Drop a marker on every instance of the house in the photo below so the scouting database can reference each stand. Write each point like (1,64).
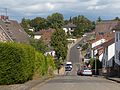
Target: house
(108,56)
(45,35)
(69,28)
(10,30)
(116,29)
(103,33)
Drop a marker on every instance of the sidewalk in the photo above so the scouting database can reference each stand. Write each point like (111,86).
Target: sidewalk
(114,79)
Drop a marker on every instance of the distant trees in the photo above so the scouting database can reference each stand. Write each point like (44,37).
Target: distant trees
(38,23)
(99,19)
(56,20)
(83,25)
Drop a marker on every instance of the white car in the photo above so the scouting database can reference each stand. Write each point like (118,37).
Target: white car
(86,72)
(68,66)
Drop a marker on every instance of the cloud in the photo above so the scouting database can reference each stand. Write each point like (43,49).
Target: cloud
(25,8)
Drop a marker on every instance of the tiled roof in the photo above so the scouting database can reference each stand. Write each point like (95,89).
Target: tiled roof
(111,41)
(45,34)
(105,26)
(117,27)
(14,31)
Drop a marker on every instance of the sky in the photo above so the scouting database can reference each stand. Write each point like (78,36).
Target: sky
(92,9)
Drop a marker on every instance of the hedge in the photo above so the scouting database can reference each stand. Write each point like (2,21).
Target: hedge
(16,63)
(19,63)
(44,65)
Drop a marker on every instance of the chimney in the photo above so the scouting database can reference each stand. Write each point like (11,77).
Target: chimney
(2,17)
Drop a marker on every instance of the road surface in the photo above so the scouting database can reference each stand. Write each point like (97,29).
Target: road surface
(70,81)
(73,82)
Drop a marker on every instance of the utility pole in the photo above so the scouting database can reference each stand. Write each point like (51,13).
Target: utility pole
(95,66)
(6,11)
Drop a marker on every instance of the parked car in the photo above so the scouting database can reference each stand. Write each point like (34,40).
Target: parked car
(84,72)
(68,66)
(78,47)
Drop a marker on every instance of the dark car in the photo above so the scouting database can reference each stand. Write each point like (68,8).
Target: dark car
(79,72)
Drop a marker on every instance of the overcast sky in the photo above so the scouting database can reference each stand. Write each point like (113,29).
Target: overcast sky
(107,9)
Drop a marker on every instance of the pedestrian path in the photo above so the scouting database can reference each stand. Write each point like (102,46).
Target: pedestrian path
(114,79)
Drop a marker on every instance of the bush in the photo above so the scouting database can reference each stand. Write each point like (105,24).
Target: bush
(19,63)
(16,63)
(43,64)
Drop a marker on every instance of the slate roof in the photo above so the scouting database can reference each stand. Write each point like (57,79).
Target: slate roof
(13,31)
(70,25)
(45,34)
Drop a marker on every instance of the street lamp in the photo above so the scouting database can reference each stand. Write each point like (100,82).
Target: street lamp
(95,66)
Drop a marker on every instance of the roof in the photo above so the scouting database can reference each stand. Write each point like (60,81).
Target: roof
(107,37)
(117,27)
(45,34)
(14,31)
(70,25)
(111,41)
(105,26)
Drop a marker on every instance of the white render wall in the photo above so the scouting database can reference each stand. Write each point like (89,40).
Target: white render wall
(111,53)
(65,29)
(117,48)
(98,42)
(37,37)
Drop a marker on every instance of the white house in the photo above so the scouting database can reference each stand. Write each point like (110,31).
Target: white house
(95,44)
(117,45)
(52,53)
(69,28)
(109,53)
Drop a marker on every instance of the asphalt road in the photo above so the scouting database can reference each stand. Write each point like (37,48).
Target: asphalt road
(73,82)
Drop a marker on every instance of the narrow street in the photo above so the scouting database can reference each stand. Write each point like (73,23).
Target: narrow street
(70,80)
(73,82)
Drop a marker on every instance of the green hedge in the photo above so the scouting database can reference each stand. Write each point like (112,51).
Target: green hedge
(16,63)
(19,63)
(44,65)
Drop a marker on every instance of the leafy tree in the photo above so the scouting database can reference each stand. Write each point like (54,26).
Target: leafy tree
(83,25)
(38,23)
(56,20)
(59,42)
(39,45)
(25,23)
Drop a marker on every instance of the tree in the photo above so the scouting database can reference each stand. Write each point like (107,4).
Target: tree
(59,42)
(38,23)
(25,23)
(116,19)
(56,20)
(83,25)
(39,45)
(99,19)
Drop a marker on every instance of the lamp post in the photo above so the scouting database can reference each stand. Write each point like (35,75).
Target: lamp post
(95,66)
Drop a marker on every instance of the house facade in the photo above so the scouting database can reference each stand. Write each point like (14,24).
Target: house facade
(69,28)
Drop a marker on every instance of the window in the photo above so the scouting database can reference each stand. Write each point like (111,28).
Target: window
(116,37)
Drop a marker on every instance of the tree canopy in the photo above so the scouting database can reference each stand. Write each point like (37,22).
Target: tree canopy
(56,20)
(59,42)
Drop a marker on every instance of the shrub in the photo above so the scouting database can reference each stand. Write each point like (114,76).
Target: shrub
(43,64)
(16,63)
